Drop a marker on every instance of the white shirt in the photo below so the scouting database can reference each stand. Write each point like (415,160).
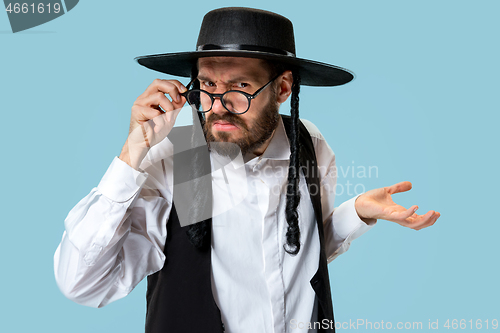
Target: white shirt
(115,235)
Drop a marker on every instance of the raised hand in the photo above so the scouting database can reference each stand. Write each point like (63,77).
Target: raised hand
(378,204)
(153,117)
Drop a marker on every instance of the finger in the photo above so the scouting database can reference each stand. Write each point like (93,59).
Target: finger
(155,87)
(157,99)
(421,220)
(142,113)
(161,121)
(399,187)
(152,127)
(431,221)
(180,87)
(171,87)
(424,224)
(169,106)
(158,123)
(180,100)
(409,212)
(161,126)
(401,215)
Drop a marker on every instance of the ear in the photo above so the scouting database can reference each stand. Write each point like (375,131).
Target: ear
(285,86)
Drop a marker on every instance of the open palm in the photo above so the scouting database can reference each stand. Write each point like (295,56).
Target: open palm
(378,204)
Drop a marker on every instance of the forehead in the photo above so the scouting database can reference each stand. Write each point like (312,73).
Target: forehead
(226,68)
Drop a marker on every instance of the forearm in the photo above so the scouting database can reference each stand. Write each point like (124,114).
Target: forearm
(88,285)
(96,261)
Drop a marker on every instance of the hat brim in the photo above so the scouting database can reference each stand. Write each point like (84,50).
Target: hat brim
(312,73)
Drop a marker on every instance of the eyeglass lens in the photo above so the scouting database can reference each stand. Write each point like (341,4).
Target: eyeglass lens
(234,101)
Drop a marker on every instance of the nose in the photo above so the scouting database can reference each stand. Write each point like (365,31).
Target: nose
(217,107)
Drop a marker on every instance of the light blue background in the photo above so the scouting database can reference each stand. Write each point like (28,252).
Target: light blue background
(424,108)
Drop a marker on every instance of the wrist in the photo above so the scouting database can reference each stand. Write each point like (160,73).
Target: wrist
(124,154)
(358,205)
(132,158)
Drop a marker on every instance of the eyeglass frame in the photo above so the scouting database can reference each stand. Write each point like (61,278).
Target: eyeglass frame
(220,96)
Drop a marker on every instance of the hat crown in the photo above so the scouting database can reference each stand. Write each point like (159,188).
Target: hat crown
(246,26)
(249,33)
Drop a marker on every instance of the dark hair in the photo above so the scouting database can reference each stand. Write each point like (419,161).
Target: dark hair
(292,245)
(198,232)
(293,193)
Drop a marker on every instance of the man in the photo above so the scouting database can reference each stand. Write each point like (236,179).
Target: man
(256,262)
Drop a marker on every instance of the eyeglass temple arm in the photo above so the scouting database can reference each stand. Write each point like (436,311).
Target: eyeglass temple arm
(264,87)
(190,83)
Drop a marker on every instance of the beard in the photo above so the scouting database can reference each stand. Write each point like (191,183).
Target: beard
(253,138)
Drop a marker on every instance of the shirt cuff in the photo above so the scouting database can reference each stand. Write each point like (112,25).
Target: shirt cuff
(121,182)
(351,221)
(347,226)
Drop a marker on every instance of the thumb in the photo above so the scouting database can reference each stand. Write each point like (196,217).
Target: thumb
(182,100)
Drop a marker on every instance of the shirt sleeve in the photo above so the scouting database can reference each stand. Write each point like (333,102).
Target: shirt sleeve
(113,238)
(342,224)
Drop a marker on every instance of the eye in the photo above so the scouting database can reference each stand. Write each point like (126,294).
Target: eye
(241,85)
(208,83)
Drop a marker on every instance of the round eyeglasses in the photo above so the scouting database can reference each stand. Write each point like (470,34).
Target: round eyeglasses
(234,101)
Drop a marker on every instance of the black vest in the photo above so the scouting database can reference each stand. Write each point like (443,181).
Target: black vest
(179,296)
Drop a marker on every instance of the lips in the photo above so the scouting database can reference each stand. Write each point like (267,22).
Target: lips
(223,125)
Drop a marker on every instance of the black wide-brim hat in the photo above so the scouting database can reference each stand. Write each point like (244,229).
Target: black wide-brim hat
(249,33)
